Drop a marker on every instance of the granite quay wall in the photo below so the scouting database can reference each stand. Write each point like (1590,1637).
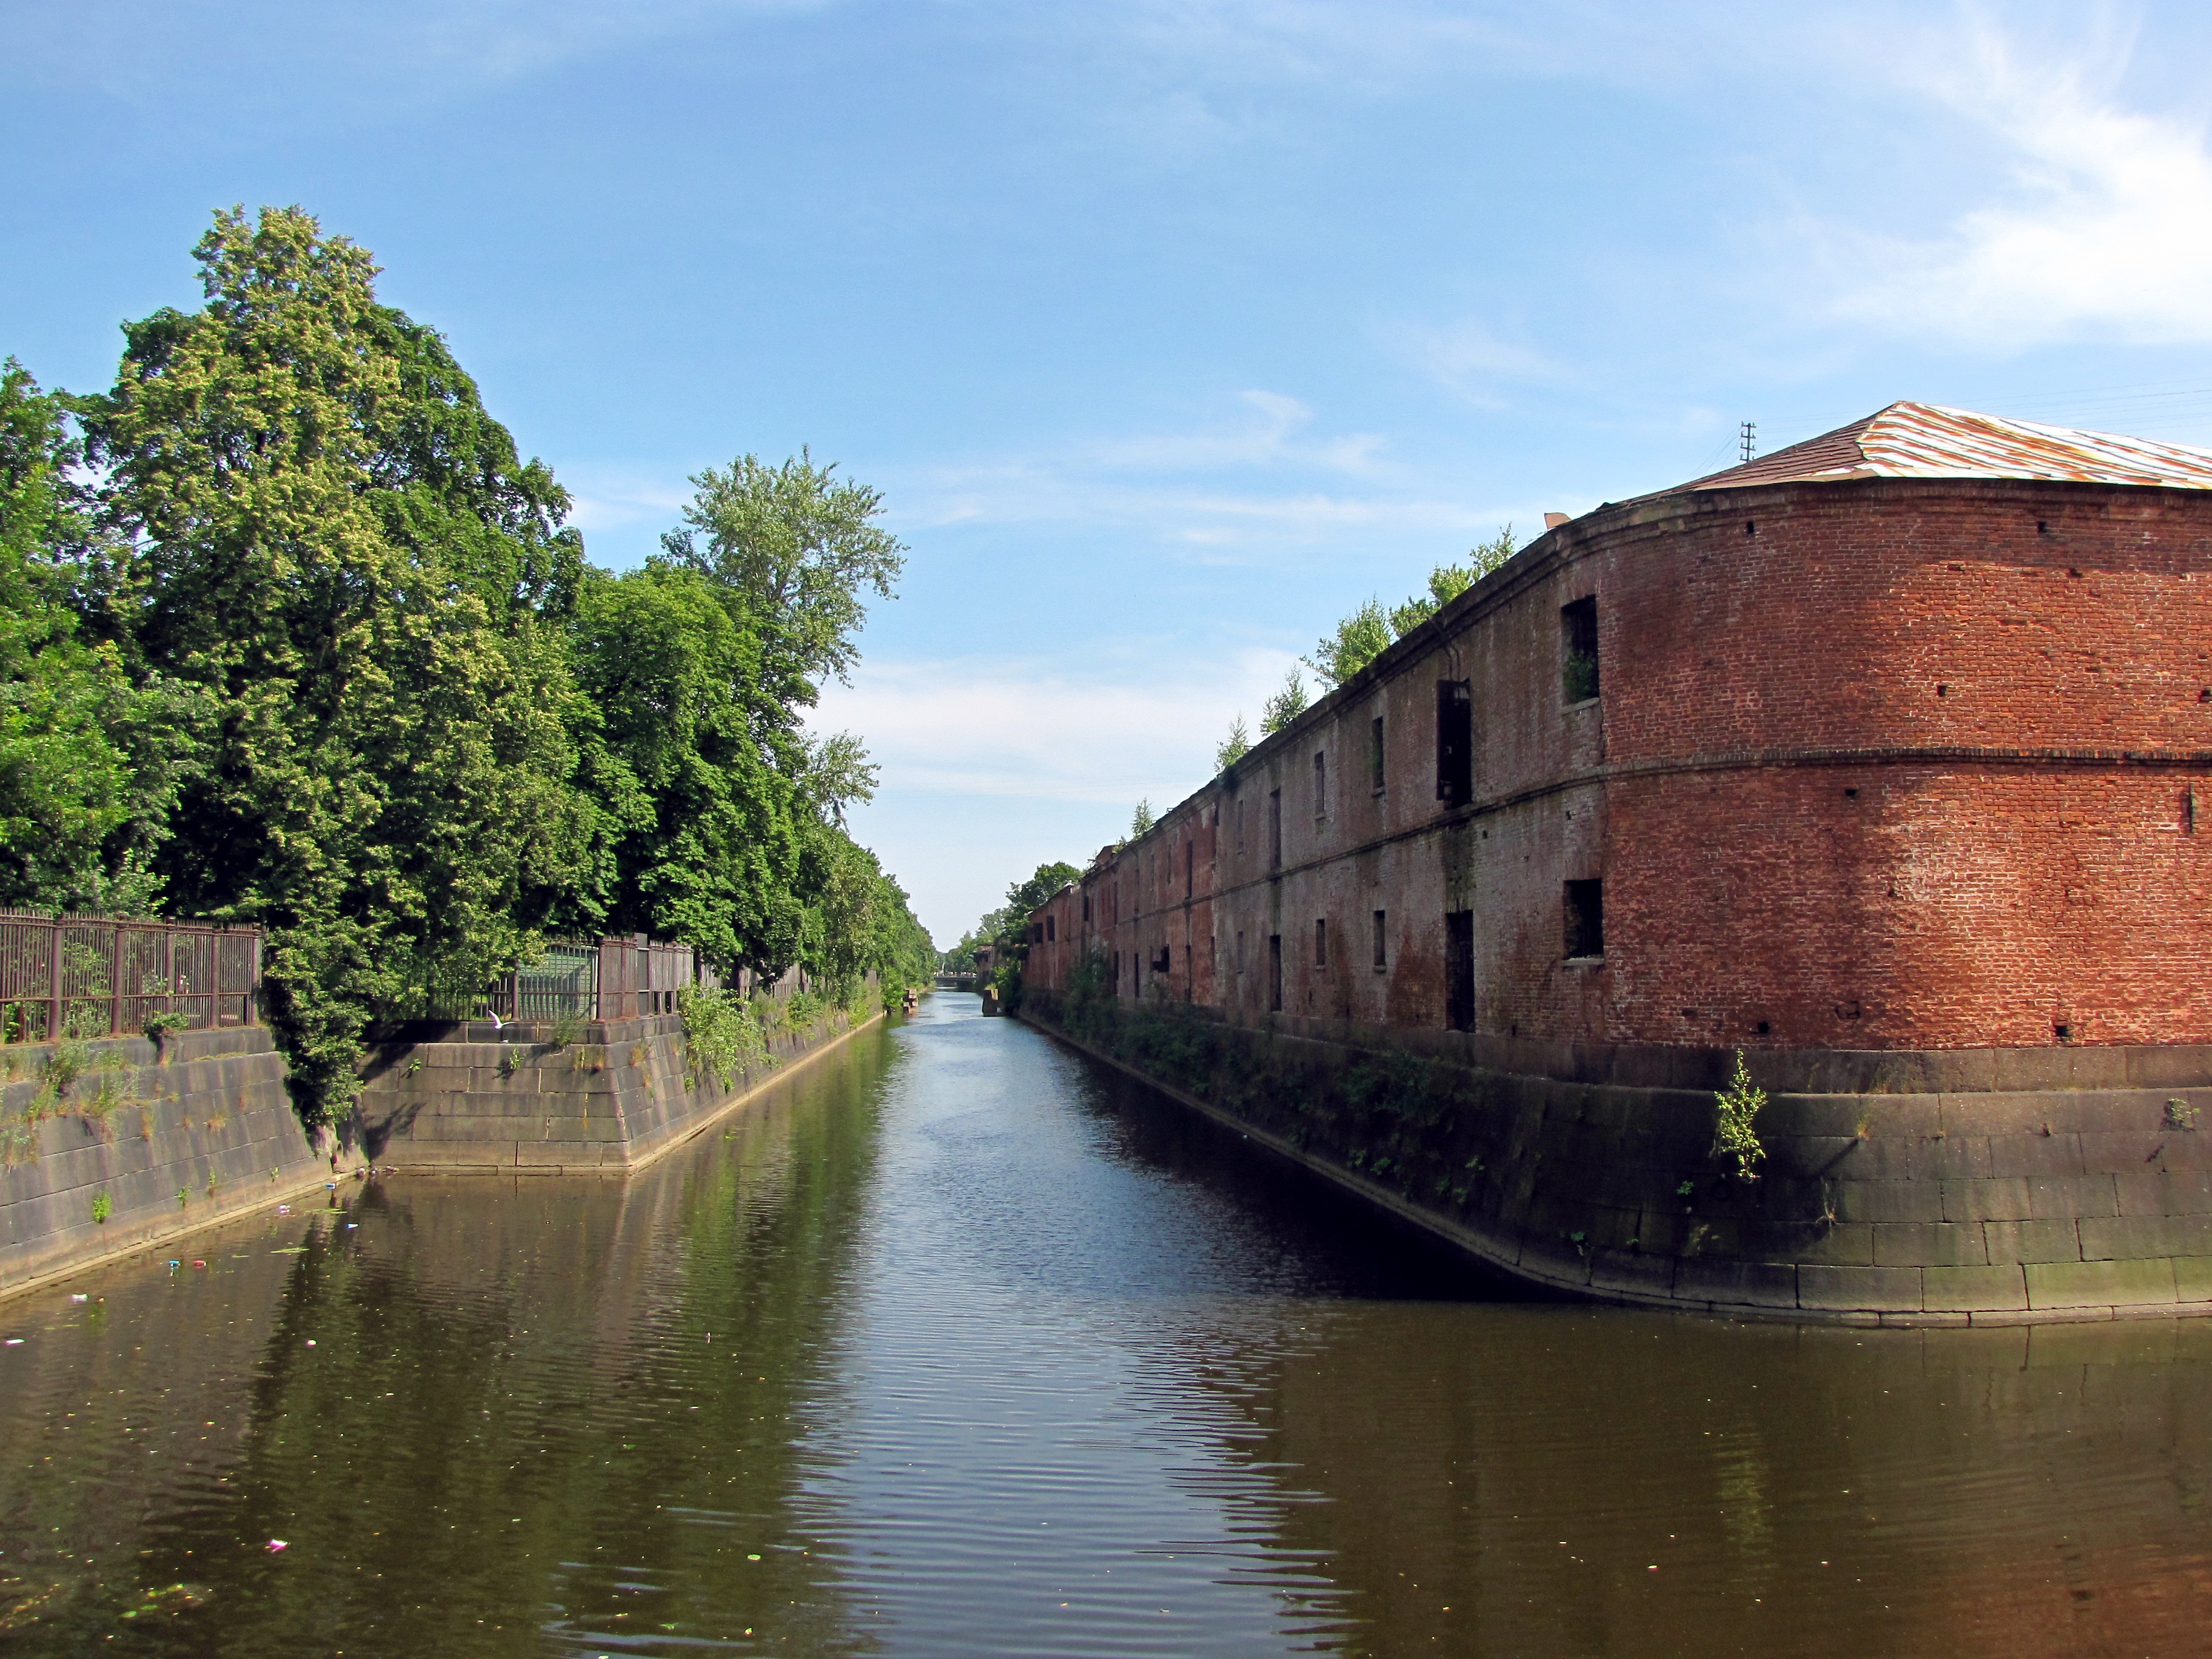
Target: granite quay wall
(171,1137)
(510,1100)
(1942,1187)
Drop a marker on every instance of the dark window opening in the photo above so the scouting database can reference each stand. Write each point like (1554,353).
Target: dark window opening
(1578,644)
(1037,934)
(1160,961)
(1275,973)
(1320,942)
(1764,1027)
(1459,970)
(1086,907)
(1049,934)
(1275,829)
(1454,742)
(1379,917)
(1321,783)
(1374,755)
(1586,918)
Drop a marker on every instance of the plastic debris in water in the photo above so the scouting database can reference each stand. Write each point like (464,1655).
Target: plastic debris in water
(79,1296)
(174,1265)
(283,1209)
(13,1342)
(276,1544)
(311,1341)
(199,1264)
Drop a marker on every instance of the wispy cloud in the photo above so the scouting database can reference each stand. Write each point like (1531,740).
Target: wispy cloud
(1469,360)
(2104,230)
(1261,476)
(1002,728)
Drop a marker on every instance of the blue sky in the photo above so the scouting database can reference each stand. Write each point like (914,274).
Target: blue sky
(1170,331)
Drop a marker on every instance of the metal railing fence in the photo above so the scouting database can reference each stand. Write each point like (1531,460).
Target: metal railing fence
(87,976)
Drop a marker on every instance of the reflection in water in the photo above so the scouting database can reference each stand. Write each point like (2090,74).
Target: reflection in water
(955,1347)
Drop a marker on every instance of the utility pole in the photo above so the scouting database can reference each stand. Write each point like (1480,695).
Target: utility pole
(1747,439)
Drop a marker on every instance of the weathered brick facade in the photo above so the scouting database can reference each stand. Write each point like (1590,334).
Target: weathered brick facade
(1885,764)
(1863,766)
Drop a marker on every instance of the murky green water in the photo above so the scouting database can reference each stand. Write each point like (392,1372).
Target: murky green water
(955,1349)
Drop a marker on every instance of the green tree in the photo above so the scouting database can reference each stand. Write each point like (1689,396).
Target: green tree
(708,839)
(1141,820)
(76,825)
(1234,748)
(1359,640)
(326,536)
(1448,582)
(1285,706)
(794,548)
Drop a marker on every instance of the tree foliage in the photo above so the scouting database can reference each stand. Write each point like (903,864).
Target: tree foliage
(296,637)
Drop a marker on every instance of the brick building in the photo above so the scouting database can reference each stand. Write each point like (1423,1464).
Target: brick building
(1893,740)
(1881,758)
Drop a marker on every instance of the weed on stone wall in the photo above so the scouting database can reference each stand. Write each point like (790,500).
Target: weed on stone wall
(723,1036)
(1735,1109)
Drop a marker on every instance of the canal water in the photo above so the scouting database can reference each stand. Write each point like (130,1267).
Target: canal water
(955,1347)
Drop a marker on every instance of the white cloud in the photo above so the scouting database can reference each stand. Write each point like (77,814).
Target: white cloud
(2105,230)
(1470,360)
(996,727)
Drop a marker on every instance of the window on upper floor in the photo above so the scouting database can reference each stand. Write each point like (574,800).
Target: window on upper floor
(1374,755)
(1454,742)
(1578,650)
(1321,783)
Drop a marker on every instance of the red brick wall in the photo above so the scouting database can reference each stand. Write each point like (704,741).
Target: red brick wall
(2015,679)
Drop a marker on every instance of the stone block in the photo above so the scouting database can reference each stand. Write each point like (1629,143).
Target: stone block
(2192,1278)
(1869,1289)
(2034,1155)
(1632,1273)
(2113,1238)
(1973,1289)
(2052,1198)
(1882,1201)
(2162,1065)
(1841,1243)
(1985,1201)
(1929,1244)
(2161,1193)
(2031,1241)
(1553,1261)
(1737,1284)
(2100,1284)
(2129,1151)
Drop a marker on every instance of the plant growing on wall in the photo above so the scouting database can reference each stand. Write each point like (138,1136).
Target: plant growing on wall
(1735,1109)
(102,1207)
(1286,705)
(1234,747)
(721,1036)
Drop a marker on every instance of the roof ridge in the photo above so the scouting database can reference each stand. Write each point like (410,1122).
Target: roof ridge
(1908,439)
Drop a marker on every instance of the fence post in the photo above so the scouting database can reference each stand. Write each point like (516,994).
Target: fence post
(115,981)
(54,979)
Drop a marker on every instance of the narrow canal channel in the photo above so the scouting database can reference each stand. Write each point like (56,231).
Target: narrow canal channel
(956,1346)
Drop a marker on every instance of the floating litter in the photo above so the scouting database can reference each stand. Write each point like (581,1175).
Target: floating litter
(15,1342)
(276,1544)
(283,1209)
(311,1341)
(199,1264)
(79,1296)
(174,1265)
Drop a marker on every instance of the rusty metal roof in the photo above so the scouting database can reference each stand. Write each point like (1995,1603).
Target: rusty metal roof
(1924,440)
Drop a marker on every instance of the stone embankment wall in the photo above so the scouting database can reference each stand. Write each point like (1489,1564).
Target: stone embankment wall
(508,1100)
(1945,1188)
(172,1139)
(195,1131)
